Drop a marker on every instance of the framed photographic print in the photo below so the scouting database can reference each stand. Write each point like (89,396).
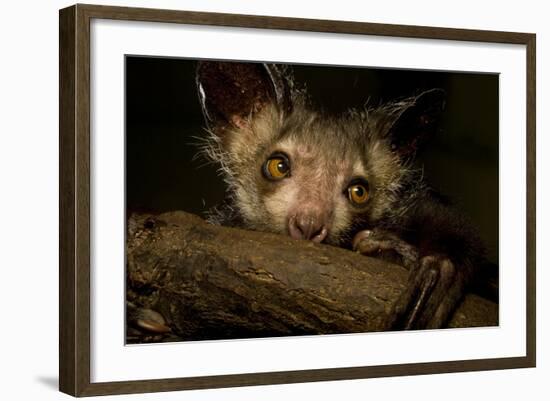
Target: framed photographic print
(252,200)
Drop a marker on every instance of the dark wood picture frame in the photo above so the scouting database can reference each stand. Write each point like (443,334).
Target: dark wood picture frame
(74,301)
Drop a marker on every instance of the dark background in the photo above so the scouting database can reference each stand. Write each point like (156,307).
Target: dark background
(163,120)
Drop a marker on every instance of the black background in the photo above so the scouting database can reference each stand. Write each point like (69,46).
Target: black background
(163,120)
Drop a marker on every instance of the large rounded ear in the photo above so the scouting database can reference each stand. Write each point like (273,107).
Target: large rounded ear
(231,93)
(417,122)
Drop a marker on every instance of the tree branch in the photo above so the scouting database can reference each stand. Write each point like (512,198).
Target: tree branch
(212,282)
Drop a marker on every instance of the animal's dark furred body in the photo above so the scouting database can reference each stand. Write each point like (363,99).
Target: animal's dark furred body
(346,180)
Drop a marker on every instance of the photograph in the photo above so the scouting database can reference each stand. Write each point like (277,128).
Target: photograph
(271,199)
(256,200)
(275,200)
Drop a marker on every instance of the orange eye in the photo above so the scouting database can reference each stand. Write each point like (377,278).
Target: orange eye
(276,167)
(358,193)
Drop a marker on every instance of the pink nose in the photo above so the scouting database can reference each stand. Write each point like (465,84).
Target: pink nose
(307,226)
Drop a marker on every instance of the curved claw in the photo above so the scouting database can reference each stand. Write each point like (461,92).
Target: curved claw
(434,290)
(427,287)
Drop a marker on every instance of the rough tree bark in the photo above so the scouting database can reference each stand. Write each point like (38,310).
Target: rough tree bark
(211,282)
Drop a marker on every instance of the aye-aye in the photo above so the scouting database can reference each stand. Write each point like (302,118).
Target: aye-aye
(346,180)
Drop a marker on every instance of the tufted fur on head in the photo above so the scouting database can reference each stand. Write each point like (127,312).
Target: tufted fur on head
(256,113)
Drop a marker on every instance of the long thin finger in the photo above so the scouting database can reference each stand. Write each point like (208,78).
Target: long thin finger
(428,284)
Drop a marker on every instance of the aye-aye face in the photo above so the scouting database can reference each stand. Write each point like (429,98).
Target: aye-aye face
(294,171)
(309,176)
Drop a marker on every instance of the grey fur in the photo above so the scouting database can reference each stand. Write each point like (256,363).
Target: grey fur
(358,136)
